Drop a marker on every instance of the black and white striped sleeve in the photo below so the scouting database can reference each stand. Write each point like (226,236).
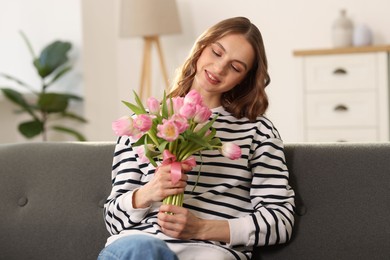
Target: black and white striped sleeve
(119,213)
(272,199)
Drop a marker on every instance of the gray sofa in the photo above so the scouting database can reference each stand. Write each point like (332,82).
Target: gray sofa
(52,194)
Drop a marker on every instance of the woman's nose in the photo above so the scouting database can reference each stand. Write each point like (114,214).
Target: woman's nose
(220,67)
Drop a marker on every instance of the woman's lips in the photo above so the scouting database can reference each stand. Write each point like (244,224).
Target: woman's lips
(211,78)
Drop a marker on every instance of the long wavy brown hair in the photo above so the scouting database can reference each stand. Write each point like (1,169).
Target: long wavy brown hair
(247,99)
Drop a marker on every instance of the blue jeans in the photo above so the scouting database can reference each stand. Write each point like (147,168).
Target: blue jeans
(137,247)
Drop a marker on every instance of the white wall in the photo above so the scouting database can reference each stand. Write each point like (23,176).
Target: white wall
(111,66)
(285,25)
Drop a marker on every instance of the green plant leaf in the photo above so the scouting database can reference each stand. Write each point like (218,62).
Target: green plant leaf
(199,141)
(71,96)
(31,128)
(59,74)
(164,107)
(18,81)
(139,102)
(69,131)
(17,98)
(163,146)
(215,142)
(140,141)
(53,102)
(28,43)
(73,116)
(207,126)
(52,57)
(14,96)
(134,108)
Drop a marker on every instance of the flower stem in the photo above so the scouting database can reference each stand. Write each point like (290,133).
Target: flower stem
(176,200)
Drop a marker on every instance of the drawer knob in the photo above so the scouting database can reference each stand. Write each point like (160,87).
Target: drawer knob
(340,71)
(341,108)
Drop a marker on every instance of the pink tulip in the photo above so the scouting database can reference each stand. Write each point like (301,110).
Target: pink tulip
(140,150)
(188,110)
(202,114)
(168,130)
(231,151)
(181,122)
(153,105)
(193,97)
(177,104)
(124,126)
(142,122)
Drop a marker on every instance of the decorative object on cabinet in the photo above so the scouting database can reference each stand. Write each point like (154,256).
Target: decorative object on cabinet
(149,19)
(342,30)
(345,93)
(42,105)
(362,35)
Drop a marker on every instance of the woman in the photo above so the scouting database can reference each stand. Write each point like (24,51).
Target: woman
(236,205)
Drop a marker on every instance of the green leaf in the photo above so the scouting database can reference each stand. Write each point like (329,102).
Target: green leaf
(29,46)
(71,96)
(150,153)
(53,102)
(18,81)
(140,141)
(31,128)
(211,135)
(151,160)
(139,102)
(199,141)
(134,108)
(163,146)
(52,57)
(70,131)
(14,96)
(215,142)
(59,74)
(164,108)
(17,98)
(75,117)
(207,126)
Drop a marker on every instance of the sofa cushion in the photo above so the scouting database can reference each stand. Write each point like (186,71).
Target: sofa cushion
(343,202)
(51,198)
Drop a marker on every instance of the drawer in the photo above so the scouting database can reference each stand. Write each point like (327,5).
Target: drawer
(343,109)
(340,72)
(342,135)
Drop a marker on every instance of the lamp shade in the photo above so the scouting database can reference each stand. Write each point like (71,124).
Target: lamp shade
(148,18)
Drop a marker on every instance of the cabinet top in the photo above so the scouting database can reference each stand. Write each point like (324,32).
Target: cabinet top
(360,49)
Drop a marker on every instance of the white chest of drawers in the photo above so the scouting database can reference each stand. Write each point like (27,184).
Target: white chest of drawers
(345,94)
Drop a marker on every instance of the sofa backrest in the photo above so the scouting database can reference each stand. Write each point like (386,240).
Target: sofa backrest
(343,202)
(51,199)
(52,194)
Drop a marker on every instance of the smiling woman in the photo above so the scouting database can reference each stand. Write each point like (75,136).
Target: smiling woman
(229,207)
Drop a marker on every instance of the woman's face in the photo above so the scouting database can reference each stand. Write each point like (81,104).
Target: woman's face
(222,65)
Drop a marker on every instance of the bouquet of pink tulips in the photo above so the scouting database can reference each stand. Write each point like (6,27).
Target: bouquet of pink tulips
(171,132)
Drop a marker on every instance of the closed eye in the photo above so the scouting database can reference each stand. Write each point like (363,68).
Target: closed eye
(216,53)
(236,68)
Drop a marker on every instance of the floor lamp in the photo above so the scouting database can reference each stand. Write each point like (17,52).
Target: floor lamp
(149,19)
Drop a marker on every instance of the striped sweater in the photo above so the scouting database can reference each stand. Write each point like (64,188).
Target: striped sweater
(252,193)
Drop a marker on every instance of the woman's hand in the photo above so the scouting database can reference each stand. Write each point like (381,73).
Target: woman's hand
(160,187)
(182,224)
(179,222)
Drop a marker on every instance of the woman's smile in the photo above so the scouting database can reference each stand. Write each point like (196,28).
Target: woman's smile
(211,78)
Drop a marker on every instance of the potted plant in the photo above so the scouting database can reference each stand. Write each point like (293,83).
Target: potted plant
(44,106)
